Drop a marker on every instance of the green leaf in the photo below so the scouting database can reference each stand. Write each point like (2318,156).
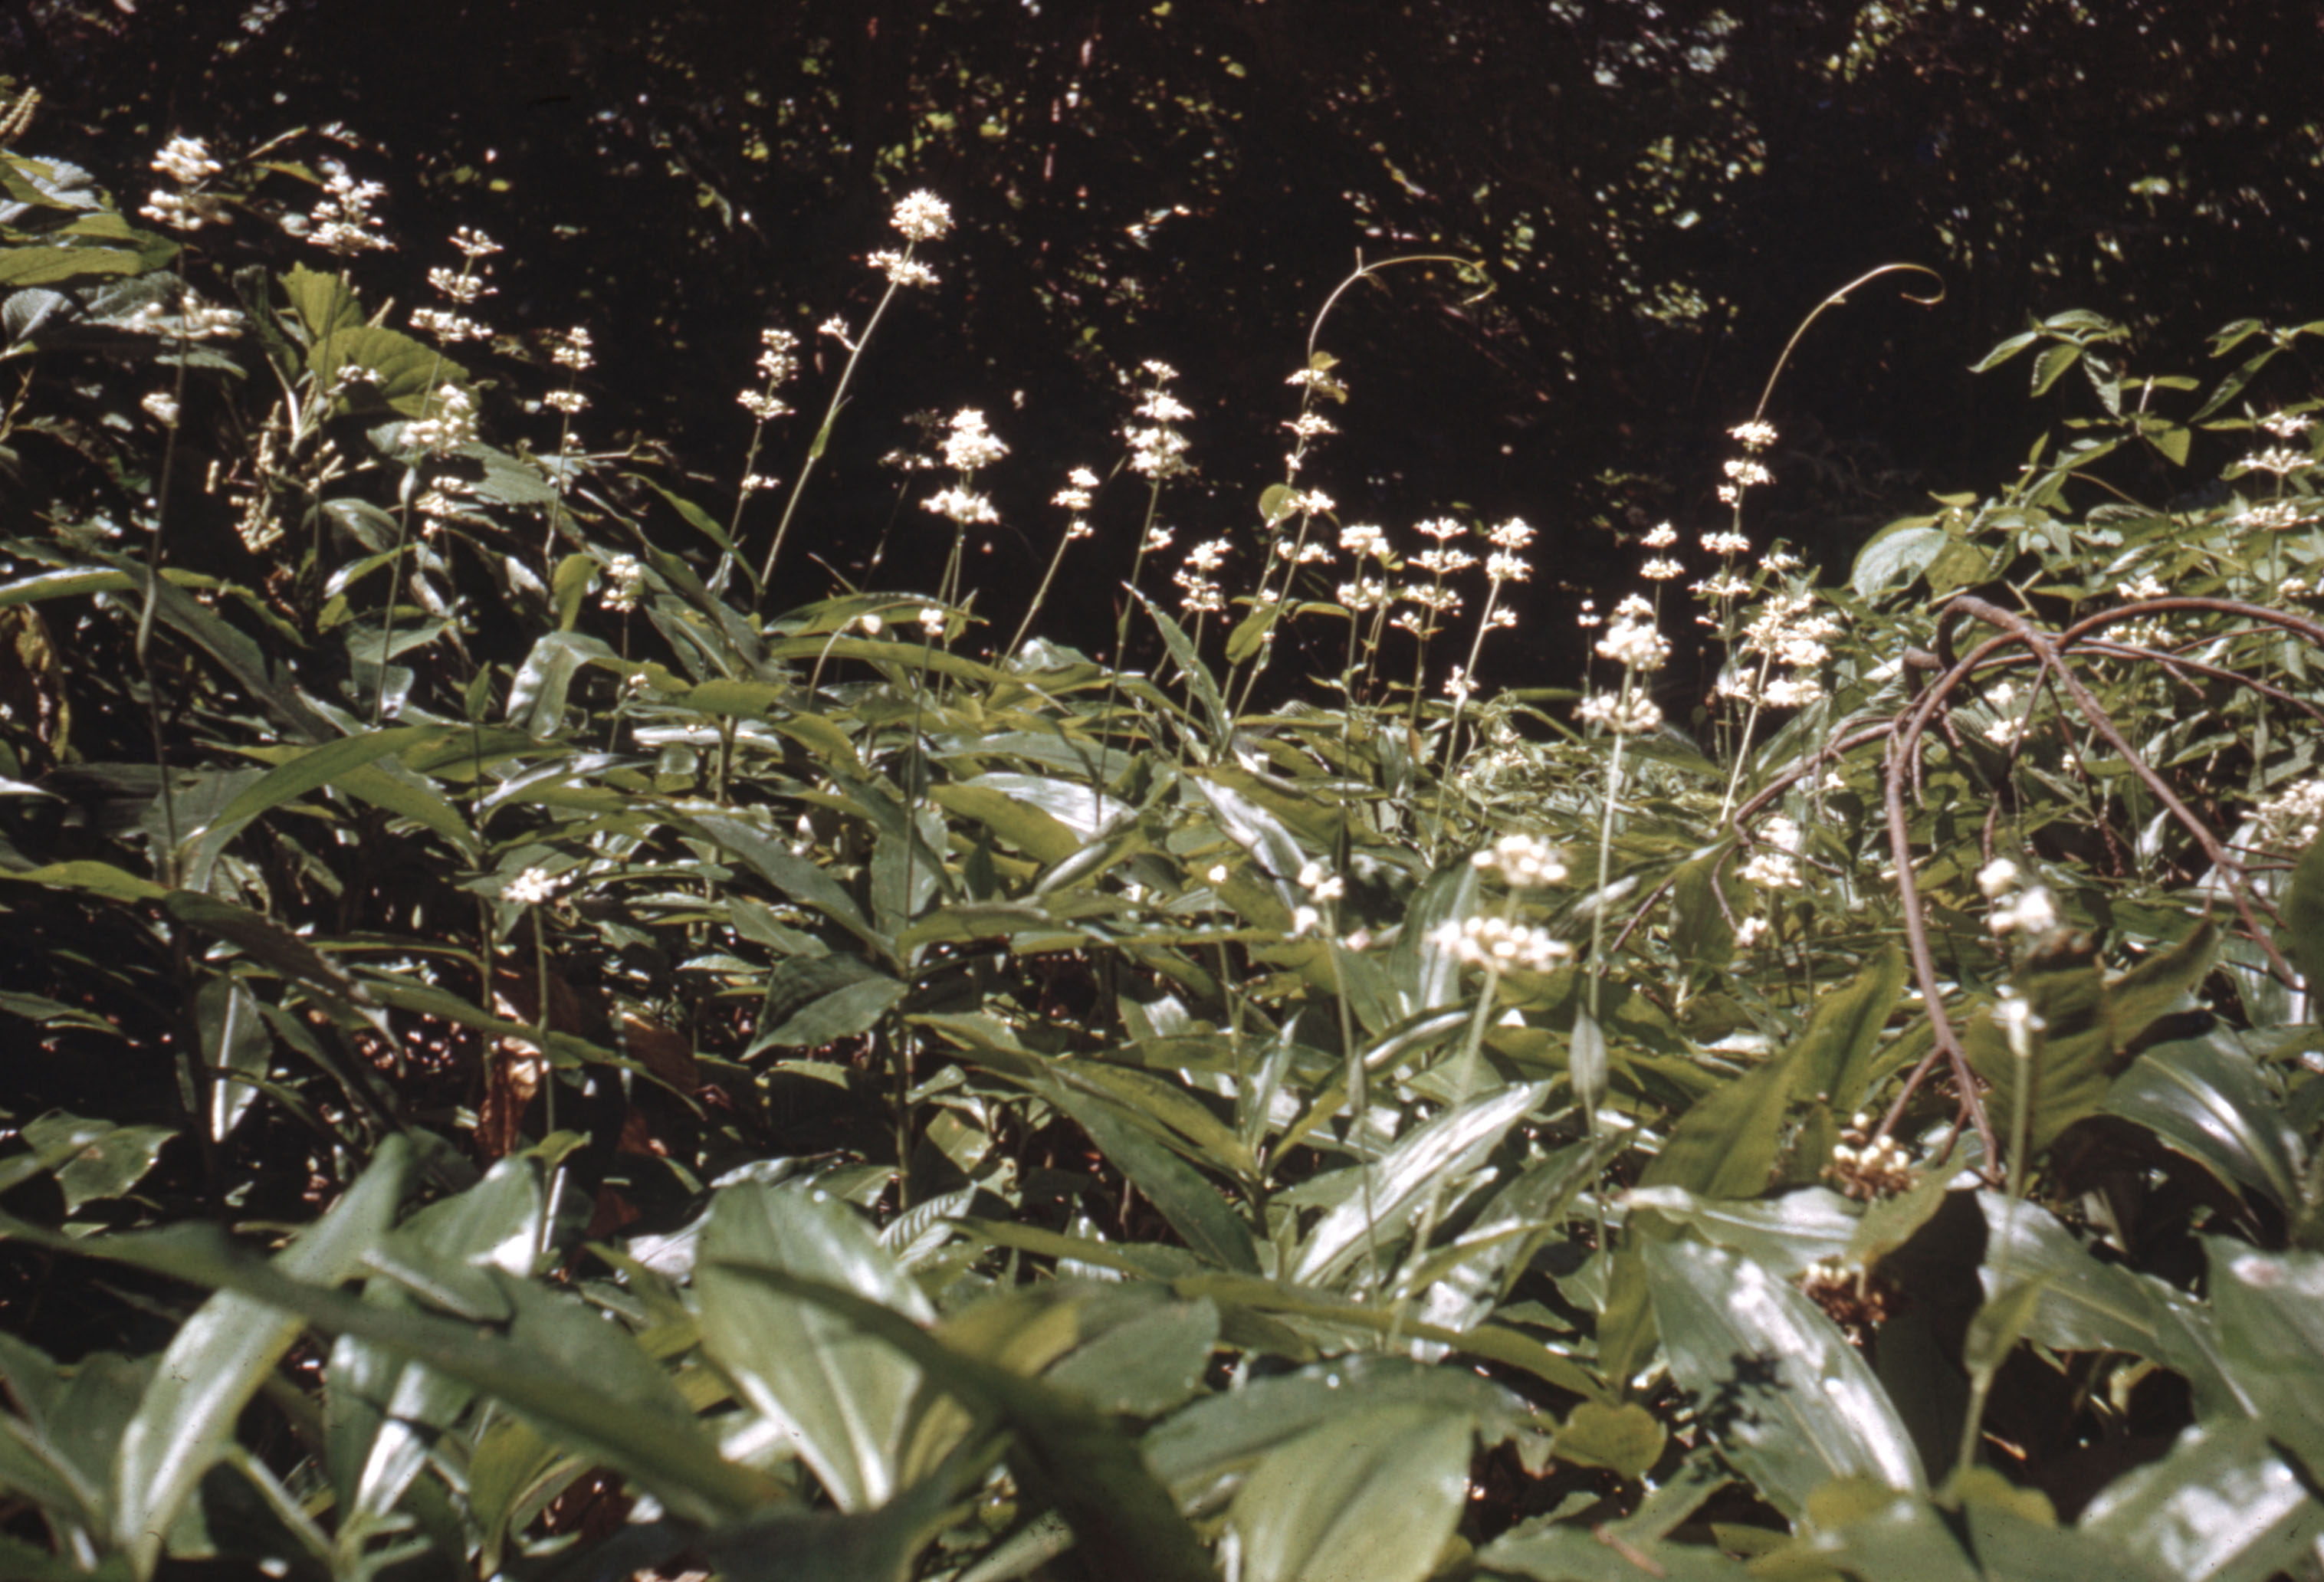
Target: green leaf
(305,771)
(2088,1023)
(704,523)
(2052,363)
(324,302)
(1571,1552)
(1445,1149)
(221,1356)
(2084,1305)
(1627,1439)
(2270,1308)
(50,266)
(1726,1145)
(1370,1497)
(92,1159)
(796,877)
(1776,1385)
(407,372)
(845,1394)
(1122,1519)
(1896,555)
(1199,682)
(236,1043)
(1786,1233)
(2205,1097)
(1843,1032)
(2223,1506)
(536,703)
(1190,1203)
(2302,933)
(1146,1365)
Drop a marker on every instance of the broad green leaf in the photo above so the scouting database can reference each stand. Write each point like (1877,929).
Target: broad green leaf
(797,878)
(1145,1364)
(704,523)
(2051,362)
(1626,1439)
(2271,1325)
(843,1396)
(1571,1552)
(2223,1506)
(1030,828)
(2205,1097)
(1424,964)
(315,766)
(2088,1023)
(1896,555)
(1253,828)
(1445,1149)
(536,703)
(406,374)
(50,266)
(1082,809)
(672,1460)
(92,1159)
(2084,1305)
(1185,1198)
(1786,1233)
(1368,1497)
(1725,1147)
(222,1354)
(1843,1032)
(1776,1385)
(1198,1450)
(1122,1520)
(1876,1530)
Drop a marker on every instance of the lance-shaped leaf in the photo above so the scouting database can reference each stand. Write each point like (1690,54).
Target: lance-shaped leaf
(221,1356)
(1447,1148)
(2223,1506)
(1775,1383)
(1190,1203)
(1369,1496)
(844,1395)
(2205,1097)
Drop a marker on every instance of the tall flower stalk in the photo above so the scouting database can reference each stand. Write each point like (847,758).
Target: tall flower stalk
(923,217)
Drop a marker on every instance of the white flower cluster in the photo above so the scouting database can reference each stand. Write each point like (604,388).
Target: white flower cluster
(1632,641)
(1522,861)
(532,887)
(902,271)
(2294,819)
(1363,541)
(1156,452)
(2022,906)
(448,327)
(1776,865)
(186,162)
(1787,631)
(922,217)
(1625,714)
(1500,944)
(571,350)
(626,581)
(1754,435)
(1868,1166)
(341,221)
(971,446)
(451,425)
(962,506)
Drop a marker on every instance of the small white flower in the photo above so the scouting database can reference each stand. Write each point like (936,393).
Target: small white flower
(1755,435)
(1216,873)
(1661,569)
(1361,538)
(1632,716)
(1727,543)
(1998,878)
(163,408)
(869,624)
(932,621)
(1634,644)
(1304,918)
(1662,538)
(1749,931)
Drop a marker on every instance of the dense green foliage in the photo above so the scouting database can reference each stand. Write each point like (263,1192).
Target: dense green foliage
(533,1053)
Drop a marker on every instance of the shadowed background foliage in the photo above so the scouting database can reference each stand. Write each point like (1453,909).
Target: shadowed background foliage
(1656,193)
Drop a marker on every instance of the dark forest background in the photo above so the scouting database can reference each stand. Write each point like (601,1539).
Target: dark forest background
(1655,194)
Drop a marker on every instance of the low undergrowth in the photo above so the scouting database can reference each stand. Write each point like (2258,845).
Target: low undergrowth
(533,1052)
